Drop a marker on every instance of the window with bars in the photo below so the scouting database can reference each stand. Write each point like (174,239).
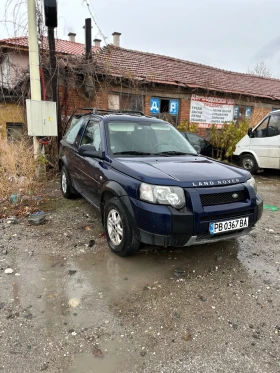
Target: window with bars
(165,109)
(125,101)
(242,112)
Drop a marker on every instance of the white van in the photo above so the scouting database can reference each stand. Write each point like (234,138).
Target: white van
(261,147)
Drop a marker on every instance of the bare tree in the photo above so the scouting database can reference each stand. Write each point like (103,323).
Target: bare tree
(261,69)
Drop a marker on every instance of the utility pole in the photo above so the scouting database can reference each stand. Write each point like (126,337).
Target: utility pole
(35,83)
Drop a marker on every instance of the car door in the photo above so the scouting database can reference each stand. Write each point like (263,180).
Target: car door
(91,170)
(265,142)
(71,143)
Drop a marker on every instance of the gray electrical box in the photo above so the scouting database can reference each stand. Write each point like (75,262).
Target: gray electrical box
(41,118)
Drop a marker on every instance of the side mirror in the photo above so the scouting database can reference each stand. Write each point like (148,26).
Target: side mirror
(197,148)
(89,151)
(250,132)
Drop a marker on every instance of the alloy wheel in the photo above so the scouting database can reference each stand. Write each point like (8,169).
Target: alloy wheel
(115,227)
(63,182)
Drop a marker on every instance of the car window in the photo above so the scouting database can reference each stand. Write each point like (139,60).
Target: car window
(261,130)
(146,137)
(74,120)
(73,131)
(197,140)
(273,128)
(92,135)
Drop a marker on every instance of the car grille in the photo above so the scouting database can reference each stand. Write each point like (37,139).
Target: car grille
(221,198)
(208,236)
(240,214)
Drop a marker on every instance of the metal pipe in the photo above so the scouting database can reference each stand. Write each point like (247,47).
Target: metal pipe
(88,38)
(54,81)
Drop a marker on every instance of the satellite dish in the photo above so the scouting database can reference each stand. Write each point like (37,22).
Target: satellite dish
(50,13)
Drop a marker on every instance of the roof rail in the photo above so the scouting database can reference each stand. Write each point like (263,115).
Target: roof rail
(91,110)
(112,111)
(96,111)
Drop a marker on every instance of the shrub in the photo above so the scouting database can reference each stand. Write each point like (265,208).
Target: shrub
(186,126)
(18,168)
(226,138)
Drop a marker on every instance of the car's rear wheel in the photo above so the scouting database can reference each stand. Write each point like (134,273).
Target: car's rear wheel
(67,190)
(249,162)
(120,236)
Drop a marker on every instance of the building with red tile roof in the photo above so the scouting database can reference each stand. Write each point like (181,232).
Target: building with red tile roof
(62,46)
(173,71)
(161,86)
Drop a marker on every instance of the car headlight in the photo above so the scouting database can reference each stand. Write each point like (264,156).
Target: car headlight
(253,184)
(163,195)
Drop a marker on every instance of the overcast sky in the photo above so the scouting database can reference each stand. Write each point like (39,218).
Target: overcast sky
(229,34)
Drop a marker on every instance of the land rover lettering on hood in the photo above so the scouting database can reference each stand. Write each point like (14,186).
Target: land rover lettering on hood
(150,184)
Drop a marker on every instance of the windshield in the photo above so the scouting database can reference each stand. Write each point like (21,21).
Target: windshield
(146,138)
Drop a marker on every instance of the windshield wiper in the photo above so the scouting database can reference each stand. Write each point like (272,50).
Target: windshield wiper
(173,152)
(132,152)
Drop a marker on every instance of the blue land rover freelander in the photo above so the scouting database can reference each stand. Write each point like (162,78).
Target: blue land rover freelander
(150,185)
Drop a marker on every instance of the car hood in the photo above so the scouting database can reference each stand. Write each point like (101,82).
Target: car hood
(188,171)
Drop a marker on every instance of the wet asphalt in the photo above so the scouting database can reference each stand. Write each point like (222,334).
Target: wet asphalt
(72,306)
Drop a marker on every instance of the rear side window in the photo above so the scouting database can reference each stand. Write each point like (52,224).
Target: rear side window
(73,131)
(92,135)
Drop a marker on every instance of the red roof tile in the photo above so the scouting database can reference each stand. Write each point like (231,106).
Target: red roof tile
(62,46)
(151,67)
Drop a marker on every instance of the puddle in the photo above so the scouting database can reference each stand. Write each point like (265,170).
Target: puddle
(105,276)
(86,363)
(99,279)
(114,360)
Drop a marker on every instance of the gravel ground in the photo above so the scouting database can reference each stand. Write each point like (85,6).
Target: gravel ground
(72,306)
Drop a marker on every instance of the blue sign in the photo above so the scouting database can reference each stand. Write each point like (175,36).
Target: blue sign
(173,107)
(154,105)
(248,112)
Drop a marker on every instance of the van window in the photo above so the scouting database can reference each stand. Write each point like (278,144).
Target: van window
(261,131)
(274,126)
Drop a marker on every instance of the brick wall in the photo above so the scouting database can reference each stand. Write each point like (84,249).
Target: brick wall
(77,99)
(184,110)
(147,105)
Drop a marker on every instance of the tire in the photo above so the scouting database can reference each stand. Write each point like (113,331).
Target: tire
(66,188)
(249,163)
(121,238)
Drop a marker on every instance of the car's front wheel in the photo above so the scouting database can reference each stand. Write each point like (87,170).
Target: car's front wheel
(120,236)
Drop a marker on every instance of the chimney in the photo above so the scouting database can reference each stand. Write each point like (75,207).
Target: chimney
(72,36)
(116,39)
(97,42)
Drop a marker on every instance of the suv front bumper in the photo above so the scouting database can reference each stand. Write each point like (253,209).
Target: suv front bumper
(175,241)
(165,226)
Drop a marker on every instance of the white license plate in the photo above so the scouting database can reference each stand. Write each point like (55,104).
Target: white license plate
(229,225)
